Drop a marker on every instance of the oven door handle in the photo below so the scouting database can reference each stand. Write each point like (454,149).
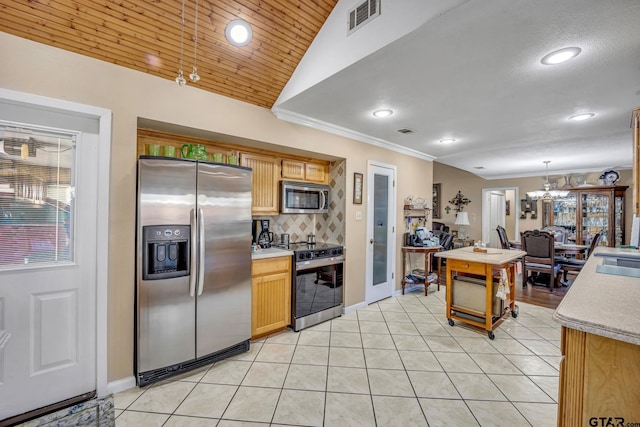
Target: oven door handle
(322,262)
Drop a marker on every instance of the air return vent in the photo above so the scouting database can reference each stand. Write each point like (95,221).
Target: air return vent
(362,14)
(405,130)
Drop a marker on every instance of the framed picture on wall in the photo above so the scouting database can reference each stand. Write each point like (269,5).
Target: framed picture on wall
(436,201)
(357,188)
(508,208)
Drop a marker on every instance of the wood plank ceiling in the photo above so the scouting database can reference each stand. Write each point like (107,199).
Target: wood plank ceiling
(145,36)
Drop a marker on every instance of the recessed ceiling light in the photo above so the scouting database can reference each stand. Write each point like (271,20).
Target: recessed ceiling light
(238,32)
(559,56)
(382,113)
(447,141)
(581,116)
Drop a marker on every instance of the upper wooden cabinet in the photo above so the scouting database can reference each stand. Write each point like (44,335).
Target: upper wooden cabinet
(305,171)
(266,172)
(635,124)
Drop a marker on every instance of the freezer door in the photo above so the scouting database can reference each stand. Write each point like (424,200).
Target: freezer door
(224,294)
(165,309)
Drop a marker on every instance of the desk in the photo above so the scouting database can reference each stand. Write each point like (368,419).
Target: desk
(461,243)
(465,260)
(426,251)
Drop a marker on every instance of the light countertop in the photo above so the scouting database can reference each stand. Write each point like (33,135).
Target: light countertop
(493,256)
(602,304)
(271,253)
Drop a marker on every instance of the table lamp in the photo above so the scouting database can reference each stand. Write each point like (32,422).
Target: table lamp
(462,219)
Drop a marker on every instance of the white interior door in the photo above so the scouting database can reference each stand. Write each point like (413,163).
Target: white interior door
(497,212)
(48,226)
(381,209)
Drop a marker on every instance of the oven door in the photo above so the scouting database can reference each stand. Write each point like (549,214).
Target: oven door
(318,292)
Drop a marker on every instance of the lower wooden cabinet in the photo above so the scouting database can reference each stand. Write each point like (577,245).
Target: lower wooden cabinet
(271,295)
(599,380)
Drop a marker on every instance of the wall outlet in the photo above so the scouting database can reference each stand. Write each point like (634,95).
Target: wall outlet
(358,215)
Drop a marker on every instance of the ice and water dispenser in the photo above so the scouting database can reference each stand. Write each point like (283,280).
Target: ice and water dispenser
(165,251)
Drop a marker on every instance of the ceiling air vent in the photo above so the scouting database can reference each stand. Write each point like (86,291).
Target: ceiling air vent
(362,14)
(405,130)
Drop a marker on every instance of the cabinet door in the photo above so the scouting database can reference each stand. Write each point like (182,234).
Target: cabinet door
(292,169)
(316,172)
(596,216)
(271,303)
(265,183)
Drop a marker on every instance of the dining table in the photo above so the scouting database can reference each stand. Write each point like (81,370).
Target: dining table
(558,247)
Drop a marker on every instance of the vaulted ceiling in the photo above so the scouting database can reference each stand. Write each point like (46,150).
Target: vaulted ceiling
(145,36)
(468,70)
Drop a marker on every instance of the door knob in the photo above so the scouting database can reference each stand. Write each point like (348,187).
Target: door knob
(372,241)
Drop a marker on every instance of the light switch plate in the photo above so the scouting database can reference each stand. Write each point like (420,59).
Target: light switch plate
(358,215)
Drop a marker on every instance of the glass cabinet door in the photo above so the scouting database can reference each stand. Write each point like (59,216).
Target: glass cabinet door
(618,220)
(595,217)
(564,215)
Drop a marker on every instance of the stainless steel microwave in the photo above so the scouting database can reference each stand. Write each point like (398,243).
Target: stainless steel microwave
(303,197)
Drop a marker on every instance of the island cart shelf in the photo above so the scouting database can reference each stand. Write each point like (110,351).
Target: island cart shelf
(466,262)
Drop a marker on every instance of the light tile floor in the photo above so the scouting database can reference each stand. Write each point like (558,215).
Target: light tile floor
(393,363)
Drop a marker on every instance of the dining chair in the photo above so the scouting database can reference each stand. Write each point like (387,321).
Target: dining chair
(575,265)
(502,236)
(540,256)
(446,241)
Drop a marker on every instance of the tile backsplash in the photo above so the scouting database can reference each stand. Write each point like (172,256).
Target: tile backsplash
(327,227)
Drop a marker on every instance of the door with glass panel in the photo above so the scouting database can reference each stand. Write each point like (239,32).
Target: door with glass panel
(48,187)
(380,232)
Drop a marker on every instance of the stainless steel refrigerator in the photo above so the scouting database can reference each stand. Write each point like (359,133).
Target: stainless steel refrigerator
(193,265)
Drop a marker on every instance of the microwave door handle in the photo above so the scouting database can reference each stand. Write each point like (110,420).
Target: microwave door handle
(201,251)
(323,199)
(193,251)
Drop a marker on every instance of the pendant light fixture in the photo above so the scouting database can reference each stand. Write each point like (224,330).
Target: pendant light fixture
(194,74)
(546,193)
(180,79)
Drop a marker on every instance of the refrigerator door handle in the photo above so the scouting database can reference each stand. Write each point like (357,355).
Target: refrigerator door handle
(193,250)
(201,251)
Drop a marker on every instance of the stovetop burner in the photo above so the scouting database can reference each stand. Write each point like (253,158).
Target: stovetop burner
(305,251)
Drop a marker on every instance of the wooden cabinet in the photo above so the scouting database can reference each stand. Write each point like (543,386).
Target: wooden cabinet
(635,124)
(266,172)
(586,211)
(599,377)
(271,295)
(305,171)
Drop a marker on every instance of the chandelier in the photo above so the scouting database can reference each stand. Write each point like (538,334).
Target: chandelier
(546,193)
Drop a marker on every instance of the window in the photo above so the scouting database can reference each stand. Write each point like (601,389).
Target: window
(36,196)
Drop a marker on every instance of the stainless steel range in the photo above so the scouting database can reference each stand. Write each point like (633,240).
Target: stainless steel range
(317,279)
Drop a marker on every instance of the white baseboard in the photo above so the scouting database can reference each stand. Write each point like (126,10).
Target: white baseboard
(354,307)
(121,385)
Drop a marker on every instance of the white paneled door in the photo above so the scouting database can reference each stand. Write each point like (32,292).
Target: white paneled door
(48,198)
(380,232)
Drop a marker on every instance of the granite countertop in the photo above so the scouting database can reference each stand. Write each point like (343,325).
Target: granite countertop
(602,304)
(493,255)
(271,253)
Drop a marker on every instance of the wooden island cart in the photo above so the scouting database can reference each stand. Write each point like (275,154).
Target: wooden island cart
(487,264)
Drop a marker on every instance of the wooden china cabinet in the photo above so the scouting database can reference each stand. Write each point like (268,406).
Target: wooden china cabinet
(585,211)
